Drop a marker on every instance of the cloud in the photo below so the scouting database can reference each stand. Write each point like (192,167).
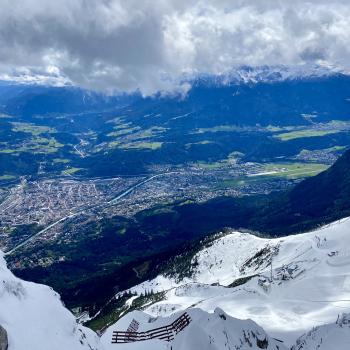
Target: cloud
(125,45)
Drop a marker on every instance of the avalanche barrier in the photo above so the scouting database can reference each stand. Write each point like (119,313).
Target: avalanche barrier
(164,333)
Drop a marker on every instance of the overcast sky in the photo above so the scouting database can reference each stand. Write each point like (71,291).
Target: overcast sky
(125,45)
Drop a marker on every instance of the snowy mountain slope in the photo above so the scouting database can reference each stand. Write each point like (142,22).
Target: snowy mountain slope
(35,318)
(330,336)
(214,331)
(310,286)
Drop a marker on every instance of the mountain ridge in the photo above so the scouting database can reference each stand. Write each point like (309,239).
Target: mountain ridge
(309,283)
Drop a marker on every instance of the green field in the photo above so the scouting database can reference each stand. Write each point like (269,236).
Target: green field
(123,131)
(287,136)
(8,151)
(71,171)
(36,145)
(231,158)
(210,165)
(41,145)
(292,170)
(142,145)
(218,128)
(128,137)
(61,161)
(204,142)
(288,171)
(32,129)
(7,177)
(38,139)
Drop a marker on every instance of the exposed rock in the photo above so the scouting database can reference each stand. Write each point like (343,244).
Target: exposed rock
(3,339)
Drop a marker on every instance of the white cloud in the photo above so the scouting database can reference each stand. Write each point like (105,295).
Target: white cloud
(148,45)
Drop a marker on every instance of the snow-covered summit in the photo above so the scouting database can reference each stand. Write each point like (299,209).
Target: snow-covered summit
(275,73)
(35,318)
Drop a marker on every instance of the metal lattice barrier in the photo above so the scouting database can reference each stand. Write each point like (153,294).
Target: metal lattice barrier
(164,333)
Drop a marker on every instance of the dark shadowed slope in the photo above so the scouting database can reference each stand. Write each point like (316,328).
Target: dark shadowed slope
(317,200)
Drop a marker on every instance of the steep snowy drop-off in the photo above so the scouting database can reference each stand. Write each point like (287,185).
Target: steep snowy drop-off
(35,318)
(310,287)
(330,336)
(207,331)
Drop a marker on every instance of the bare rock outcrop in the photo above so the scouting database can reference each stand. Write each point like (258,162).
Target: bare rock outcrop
(3,339)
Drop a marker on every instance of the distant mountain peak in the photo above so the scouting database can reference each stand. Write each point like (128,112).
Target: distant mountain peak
(265,73)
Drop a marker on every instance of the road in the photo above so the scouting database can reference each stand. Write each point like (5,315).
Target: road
(125,193)
(72,215)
